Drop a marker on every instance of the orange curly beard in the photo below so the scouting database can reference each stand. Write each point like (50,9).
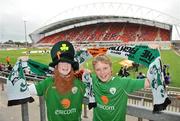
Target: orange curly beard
(63,84)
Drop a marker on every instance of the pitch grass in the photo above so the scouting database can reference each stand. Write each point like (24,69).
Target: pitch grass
(168,57)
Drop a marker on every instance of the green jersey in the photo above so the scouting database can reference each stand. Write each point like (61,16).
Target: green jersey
(66,107)
(111,97)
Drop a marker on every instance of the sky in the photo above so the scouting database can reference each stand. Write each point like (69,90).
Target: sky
(15,14)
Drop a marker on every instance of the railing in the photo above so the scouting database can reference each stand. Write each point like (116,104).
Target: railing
(144,98)
(146,113)
(134,110)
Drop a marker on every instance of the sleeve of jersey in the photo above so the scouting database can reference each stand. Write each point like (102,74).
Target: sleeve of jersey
(132,85)
(42,86)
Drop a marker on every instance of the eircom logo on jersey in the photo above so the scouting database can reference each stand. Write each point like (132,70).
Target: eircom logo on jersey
(105,101)
(65,104)
(65,112)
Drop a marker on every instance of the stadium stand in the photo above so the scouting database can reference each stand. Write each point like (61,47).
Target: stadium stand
(126,32)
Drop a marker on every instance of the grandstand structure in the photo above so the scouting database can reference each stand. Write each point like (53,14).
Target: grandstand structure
(107,24)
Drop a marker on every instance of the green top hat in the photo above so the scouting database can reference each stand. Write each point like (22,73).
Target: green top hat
(63,51)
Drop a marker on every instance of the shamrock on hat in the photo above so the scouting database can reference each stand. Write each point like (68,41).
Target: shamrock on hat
(63,51)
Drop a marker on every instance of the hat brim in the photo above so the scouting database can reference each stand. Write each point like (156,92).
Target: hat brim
(74,64)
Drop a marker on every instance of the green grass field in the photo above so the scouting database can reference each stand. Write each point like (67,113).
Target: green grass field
(168,57)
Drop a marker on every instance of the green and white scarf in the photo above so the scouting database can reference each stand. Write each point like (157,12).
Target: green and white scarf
(17,88)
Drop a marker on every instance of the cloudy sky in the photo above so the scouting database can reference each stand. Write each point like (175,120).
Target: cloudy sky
(13,13)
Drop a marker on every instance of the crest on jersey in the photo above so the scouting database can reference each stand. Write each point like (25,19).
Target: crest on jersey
(74,90)
(112,90)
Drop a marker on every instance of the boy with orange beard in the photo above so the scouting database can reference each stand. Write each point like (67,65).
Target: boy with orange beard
(63,92)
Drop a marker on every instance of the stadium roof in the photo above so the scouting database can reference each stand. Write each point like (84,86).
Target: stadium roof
(106,12)
(96,19)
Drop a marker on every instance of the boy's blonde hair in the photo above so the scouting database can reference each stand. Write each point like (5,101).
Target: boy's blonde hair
(101,58)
